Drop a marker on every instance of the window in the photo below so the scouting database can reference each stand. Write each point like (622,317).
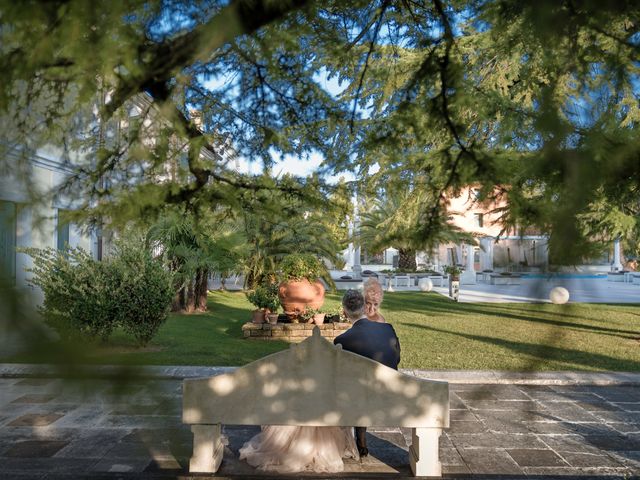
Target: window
(478,219)
(8,240)
(62,232)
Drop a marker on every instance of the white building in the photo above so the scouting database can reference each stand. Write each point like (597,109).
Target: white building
(32,209)
(493,250)
(30,218)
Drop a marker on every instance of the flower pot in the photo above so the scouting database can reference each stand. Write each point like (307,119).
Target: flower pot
(258,316)
(318,318)
(272,318)
(297,296)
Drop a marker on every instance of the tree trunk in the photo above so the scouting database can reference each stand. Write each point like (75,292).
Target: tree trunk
(202,277)
(406,259)
(190,300)
(179,301)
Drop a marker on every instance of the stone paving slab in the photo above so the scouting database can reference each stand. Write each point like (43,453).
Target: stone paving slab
(497,431)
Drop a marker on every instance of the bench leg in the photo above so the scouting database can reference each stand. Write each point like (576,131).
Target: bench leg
(423,454)
(207,448)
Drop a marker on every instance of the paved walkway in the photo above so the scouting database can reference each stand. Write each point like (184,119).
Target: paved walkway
(545,425)
(581,290)
(530,290)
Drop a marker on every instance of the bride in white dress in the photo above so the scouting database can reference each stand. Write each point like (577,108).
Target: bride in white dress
(290,449)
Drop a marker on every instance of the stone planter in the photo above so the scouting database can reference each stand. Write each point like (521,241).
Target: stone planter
(318,318)
(272,318)
(291,332)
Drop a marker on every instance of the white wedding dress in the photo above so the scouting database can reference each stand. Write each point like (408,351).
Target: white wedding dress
(290,449)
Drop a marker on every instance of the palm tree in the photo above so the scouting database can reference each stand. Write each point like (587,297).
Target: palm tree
(192,249)
(396,220)
(276,226)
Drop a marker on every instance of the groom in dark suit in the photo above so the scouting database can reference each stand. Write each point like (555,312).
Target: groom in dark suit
(374,340)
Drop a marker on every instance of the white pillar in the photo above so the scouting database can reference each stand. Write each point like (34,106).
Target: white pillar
(423,453)
(349,253)
(468,277)
(348,257)
(459,254)
(617,264)
(357,268)
(207,448)
(486,253)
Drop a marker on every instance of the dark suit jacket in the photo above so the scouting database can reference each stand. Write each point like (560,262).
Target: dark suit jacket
(374,340)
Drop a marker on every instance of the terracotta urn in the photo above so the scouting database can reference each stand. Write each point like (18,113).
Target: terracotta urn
(296,296)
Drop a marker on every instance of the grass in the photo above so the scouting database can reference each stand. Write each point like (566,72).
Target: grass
(434,333)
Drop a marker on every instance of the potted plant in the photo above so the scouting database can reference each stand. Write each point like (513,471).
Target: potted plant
(265,298)
(454,276)
(312,315)
(271,302)
(333,316)
(306,316)
(300,288)
(453,271)
(318,315)
(257,298)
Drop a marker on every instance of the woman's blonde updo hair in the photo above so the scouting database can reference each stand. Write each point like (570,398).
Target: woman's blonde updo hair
(372,287)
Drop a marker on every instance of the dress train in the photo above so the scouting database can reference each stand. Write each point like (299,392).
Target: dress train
(290,449)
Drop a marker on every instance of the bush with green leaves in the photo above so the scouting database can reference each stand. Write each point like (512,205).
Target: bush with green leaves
(452,270)
(88,298)
(265,297)
(300,266)
(145,293)
(79,292)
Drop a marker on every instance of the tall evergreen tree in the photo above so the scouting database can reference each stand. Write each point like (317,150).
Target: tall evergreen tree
(537,101)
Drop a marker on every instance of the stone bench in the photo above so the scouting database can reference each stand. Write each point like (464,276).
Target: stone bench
(615,277)
(346,284)
(404,278)
(497,279)
(316,383)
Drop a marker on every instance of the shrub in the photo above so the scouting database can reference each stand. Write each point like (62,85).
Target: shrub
(453,270)
(299,266)
(265,297)
(78,292)
(85,297)
(145,293)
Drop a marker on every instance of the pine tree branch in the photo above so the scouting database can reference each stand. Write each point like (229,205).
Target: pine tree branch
(383,8)
(162,61)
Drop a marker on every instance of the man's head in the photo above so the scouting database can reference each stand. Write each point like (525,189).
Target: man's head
(353,305)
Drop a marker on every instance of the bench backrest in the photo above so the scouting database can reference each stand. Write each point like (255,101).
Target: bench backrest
(316,383)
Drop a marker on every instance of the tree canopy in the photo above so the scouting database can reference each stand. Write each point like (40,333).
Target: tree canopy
(535,101)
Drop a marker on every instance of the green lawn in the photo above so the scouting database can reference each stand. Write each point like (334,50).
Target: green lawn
(434,332)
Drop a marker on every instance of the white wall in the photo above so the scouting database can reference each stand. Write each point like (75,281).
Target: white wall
(37,215)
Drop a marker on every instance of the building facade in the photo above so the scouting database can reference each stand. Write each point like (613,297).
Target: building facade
(494,249)
(29,217)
